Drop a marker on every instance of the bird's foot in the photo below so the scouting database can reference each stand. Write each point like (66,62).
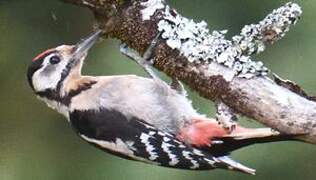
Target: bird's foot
(226,117)
(144,61)
(178,86)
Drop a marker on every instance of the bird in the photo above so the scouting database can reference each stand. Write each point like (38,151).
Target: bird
(134,117)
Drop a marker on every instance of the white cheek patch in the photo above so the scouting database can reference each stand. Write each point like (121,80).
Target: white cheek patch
(49,75)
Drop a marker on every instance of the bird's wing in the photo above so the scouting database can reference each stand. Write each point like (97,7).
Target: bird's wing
(132,138)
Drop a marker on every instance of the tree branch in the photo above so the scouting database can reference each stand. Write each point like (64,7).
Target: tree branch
(182,54)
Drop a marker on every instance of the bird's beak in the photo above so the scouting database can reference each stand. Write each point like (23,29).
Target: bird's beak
(81,49)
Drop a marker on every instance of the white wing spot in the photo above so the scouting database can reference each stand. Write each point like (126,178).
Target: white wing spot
(198,152)
(161,134)
(166,139)
(151,133)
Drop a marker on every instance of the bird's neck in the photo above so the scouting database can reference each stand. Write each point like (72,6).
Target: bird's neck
(73,85)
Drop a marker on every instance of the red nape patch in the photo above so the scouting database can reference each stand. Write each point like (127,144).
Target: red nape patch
(201,132)
(43,54)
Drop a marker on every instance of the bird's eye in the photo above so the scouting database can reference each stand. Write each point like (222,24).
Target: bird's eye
(54,60)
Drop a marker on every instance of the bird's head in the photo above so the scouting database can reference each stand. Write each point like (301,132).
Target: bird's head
(50,69)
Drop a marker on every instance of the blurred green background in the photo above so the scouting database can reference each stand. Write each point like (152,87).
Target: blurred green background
(36,143)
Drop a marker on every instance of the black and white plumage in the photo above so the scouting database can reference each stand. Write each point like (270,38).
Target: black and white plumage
(134,139)
(135,117)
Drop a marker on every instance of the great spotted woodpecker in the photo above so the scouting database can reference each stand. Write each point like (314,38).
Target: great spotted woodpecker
(134,117)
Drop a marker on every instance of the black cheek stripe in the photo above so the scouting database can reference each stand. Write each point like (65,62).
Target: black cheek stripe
(65,100)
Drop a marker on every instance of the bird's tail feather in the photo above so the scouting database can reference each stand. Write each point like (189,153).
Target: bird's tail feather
(240,139)
(233,165)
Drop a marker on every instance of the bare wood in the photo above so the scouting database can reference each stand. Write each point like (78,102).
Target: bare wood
(259,98)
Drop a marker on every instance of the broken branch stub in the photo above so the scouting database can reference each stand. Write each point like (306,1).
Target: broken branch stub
(218,69)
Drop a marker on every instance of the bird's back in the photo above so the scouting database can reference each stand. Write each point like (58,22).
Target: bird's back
(147,99)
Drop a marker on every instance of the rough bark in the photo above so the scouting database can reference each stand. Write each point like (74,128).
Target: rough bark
(259,98)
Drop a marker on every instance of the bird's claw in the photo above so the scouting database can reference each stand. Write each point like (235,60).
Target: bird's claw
(226,117)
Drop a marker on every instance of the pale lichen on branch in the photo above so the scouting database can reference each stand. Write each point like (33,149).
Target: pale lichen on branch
(254,37)
(151,7)
(199,45)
